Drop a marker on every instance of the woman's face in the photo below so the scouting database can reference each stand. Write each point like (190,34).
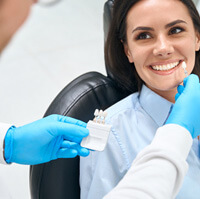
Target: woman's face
(12,15)
(160,36)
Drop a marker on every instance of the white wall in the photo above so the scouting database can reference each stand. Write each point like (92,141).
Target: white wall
(53,47)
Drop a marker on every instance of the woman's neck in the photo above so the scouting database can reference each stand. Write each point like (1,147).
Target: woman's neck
(168,95)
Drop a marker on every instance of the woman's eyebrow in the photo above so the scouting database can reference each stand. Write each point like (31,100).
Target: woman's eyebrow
(145,28)
(174,23)
(142,28)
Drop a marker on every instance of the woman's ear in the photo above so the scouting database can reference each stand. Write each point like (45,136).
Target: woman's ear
(197,47)
(127,52)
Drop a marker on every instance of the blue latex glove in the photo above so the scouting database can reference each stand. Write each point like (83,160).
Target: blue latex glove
(47,139)
(186,110)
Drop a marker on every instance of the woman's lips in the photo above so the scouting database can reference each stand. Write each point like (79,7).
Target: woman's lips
(165,69)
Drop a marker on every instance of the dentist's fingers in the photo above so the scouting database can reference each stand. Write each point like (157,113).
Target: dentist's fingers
(191,82)
(72,145)
(67,153)
(177,96)
(180,89)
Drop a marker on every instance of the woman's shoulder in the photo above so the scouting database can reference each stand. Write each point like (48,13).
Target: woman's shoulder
(129,102)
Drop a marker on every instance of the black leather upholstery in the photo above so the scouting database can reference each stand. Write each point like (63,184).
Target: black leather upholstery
(107,15)
(59,179)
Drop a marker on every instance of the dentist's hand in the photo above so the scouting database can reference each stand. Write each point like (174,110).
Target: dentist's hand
(47,139)
(186,110)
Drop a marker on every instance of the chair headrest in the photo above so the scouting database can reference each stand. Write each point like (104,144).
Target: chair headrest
(107,16)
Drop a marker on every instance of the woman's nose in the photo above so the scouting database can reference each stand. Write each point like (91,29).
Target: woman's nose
(163,47)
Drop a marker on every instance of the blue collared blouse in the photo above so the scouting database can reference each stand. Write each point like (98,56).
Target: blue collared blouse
(134,121)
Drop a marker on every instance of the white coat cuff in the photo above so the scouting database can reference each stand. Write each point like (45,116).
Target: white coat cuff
(179,138)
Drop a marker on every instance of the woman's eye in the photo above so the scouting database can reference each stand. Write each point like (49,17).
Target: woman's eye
(143,36)
(176,30)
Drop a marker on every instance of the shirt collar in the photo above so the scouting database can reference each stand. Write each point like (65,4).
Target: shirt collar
(156,106)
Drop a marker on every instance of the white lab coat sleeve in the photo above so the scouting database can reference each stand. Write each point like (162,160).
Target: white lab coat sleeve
(3,130)
(159,169)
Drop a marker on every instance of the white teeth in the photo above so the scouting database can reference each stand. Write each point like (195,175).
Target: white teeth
(165,67)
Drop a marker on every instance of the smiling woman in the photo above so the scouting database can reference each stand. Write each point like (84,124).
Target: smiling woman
(158,47)
(148,41)
(150,35)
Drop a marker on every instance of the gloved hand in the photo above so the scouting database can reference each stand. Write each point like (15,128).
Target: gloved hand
(186,110)
(47,139)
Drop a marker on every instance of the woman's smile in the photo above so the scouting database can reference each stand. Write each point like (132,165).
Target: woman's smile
(165,68)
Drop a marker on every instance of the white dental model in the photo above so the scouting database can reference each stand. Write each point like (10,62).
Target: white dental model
(99,132)
(184,68)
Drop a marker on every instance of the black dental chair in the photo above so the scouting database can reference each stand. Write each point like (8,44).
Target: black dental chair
(59,179)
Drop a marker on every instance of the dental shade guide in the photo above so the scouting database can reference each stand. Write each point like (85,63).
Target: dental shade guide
(96,113)
(184,66)
(98,132)
(101,118)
